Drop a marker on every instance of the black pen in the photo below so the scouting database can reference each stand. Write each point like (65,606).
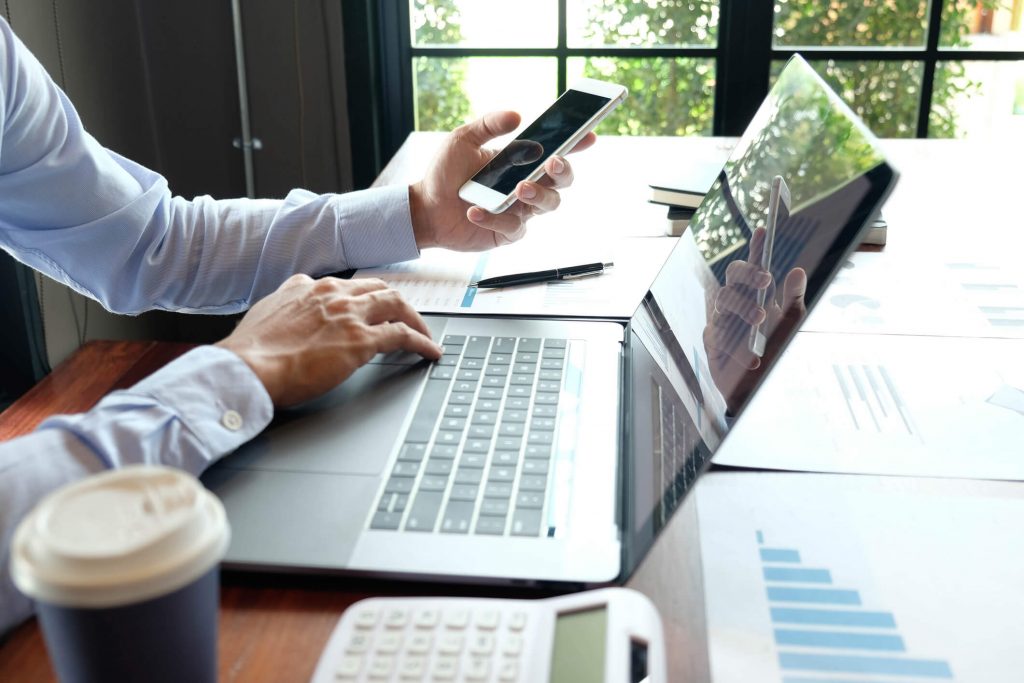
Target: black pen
(543,275)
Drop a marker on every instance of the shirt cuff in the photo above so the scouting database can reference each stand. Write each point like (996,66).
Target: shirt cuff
(376,227)
(217,396)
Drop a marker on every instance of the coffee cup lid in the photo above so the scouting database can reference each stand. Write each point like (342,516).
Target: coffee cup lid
(119,537)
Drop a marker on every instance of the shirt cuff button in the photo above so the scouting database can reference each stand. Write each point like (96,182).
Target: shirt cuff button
(231,420)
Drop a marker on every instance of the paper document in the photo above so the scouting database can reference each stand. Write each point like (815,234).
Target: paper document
(886,294)
(438,282)
(888,404)
(814,578)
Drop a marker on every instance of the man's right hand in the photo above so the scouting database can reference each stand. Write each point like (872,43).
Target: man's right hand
(310,335)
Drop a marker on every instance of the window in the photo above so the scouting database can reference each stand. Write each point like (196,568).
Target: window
(702,67)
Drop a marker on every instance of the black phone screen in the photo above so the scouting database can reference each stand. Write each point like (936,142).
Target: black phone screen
(539,140)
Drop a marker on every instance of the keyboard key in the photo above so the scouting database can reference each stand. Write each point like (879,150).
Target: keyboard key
(453,340)
(348,667)
(526,522)
(517,621)
(456,410)
(439,466)
(485,431)
(381,667)
(553,353)
(474,459)
(533,482)
(412,452)
(495,382)
(530,500)
(549,386)
(535,466)
(540,437)
(524,369)
(412,668)
(358,643)
(551,364)
(505,457)
(477,669)
(476,347)
(367,618)
(511,429)
(405,469)
(444,669)
(393,502)
(489,405)
(538,450)
(448,360)
(487,620)
(399,485)
(521,379)
(513,645)
(526,357)
(426,618)
(521,390)
(432,482)
(498,489)
(427,411)
(456,619)
(463,492)
(517,403)
(543,424)
(508,671)
(495,507)
(463,386)
(484,418)
(419,643)
(501,474)
(442,372)
(388,643)
(529,345)
(496,370)
(490,526)
(550,375)
(500,358)
(547,399)
(481,644)
(513,416)
(467,475)
(504,344)
(477,447)
(457,517)
(555,343)
(468,375)
(424,510)
(395,618)
(545,411)
(461,397)
(508,443)
(443,452)
(493,393)
(472,364)
(453,424)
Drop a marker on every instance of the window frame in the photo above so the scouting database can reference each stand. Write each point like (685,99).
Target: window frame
(743,58)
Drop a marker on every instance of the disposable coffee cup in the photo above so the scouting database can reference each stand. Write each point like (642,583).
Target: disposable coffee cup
(123,570)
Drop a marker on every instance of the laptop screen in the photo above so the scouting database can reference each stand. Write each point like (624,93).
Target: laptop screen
(790,203)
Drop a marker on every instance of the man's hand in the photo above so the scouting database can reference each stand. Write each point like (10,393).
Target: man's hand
(440,218)
(310,335)
(734,367)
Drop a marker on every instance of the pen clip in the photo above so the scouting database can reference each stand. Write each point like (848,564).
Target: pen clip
(576,276)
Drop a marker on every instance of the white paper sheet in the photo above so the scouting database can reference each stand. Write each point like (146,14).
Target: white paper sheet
(887,404)
(885,294)
(814,578)
(438,282)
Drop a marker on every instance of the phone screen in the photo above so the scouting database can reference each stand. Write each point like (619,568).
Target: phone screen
(539,140)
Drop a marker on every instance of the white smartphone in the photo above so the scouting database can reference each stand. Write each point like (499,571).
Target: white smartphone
(556,131)
(778,213)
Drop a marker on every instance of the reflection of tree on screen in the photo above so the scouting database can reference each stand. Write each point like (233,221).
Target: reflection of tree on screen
(805,140)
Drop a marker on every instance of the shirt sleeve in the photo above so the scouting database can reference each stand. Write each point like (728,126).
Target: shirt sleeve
(187,415)
(110,228)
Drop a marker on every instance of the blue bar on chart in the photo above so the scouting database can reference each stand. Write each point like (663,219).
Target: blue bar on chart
(925,668)
(840,639)
(832,617)
(817,595)
(779,555)
(797,574)
(478,274)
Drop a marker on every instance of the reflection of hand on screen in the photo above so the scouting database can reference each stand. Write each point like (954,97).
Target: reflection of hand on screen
(734,367)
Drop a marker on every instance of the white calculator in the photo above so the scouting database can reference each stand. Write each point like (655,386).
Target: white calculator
(612,635)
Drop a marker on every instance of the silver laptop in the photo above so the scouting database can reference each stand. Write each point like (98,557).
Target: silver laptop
(554,450)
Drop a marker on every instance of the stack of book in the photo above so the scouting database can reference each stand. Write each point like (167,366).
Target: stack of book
(684,190)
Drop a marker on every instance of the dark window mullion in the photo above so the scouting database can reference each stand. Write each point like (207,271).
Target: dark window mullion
(562,46)
(628,52)
(928,79)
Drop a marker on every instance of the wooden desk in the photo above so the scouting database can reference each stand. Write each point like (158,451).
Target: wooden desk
(272,628)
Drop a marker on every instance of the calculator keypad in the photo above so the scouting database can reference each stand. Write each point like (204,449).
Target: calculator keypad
(430,644)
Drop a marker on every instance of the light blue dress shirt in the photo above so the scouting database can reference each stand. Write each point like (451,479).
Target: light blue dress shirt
(111,230)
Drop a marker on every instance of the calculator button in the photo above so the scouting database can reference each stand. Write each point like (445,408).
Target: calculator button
(508,671)
(367,618)
(482,644)
(419,643)
(388,643)
(444,669)
(359,642)
(457,618)
(517,621)
(427,618)
(381,667)
(478,669)
(513,644)
(450,643)
(413,668)
(349,667)
(488,619)
(396,618)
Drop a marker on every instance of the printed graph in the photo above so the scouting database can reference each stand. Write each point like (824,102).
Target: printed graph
(826,634)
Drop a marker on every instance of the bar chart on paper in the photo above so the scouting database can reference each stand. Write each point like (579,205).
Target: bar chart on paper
(822,578)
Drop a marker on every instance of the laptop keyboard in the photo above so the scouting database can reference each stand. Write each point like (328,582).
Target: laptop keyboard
(478,454)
